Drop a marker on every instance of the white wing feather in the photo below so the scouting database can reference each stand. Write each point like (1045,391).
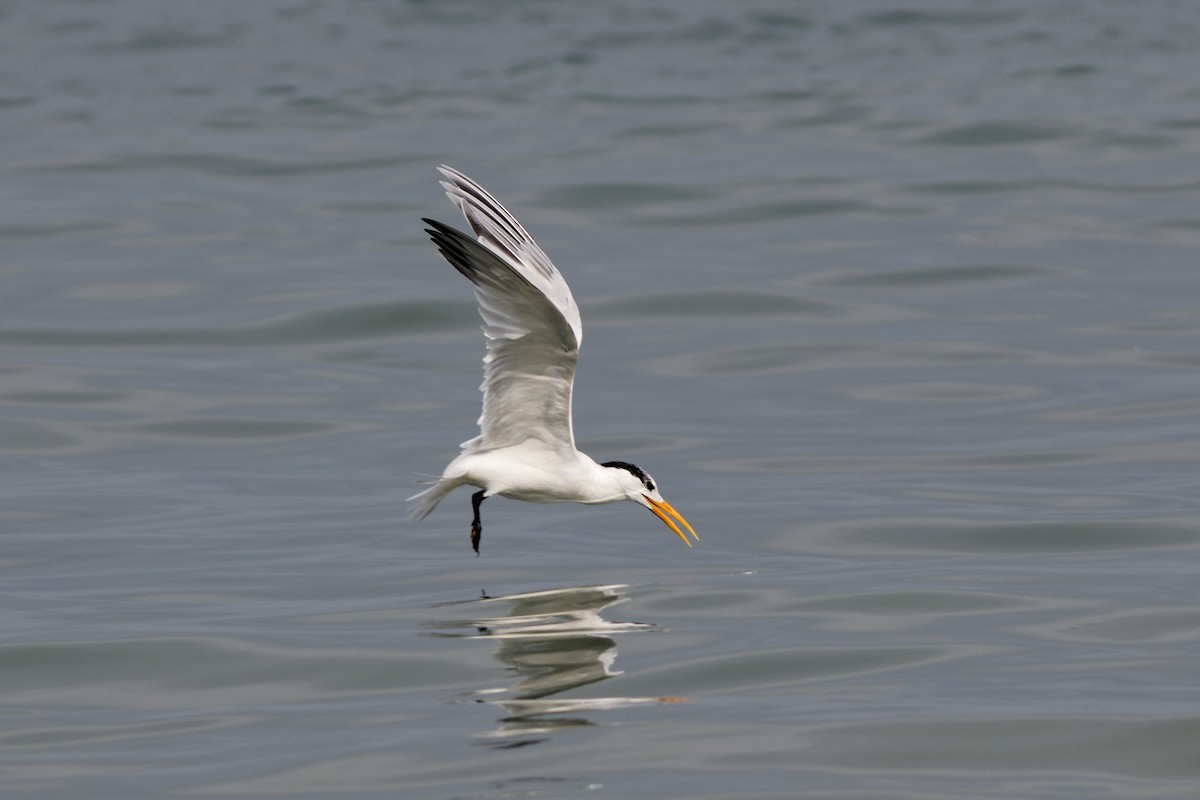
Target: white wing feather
(530,321)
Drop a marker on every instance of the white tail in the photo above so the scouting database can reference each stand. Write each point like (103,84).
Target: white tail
(420,504)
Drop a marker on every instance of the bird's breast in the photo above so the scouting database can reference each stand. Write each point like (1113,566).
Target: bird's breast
(530,471)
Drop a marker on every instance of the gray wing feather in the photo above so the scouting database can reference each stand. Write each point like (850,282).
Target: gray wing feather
(499,231)
(532,344)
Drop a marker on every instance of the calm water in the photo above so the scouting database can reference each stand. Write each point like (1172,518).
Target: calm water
(898,301)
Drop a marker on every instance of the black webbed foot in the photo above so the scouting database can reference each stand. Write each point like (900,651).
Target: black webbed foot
(476,525)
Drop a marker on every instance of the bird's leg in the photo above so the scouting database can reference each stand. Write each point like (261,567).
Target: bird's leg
(476,525)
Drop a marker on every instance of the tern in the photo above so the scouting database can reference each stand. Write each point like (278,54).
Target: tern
(525,449)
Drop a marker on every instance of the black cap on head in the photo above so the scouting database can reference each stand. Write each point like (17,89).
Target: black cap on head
(634,470)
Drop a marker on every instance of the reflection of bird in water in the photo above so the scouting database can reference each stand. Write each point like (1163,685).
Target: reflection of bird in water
(526,446)
(555,640)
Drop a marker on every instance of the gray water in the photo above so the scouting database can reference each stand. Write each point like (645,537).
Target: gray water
(896,300)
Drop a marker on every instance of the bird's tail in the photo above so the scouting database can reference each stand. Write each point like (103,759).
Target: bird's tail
(420,504)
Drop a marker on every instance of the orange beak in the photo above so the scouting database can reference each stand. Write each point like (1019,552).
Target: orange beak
(670,516)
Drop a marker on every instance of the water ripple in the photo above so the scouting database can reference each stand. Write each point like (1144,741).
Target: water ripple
(325,325)
(224,165)
(944,536)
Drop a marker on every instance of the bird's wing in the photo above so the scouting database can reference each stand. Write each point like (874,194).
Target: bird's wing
(499,231)
(530,321)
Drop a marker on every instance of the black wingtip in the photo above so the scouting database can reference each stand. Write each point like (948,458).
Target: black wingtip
(436,227)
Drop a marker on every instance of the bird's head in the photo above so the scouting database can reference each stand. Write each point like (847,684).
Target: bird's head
(640,488)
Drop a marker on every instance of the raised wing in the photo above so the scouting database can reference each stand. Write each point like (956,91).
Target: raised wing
(530,321)
(499,231)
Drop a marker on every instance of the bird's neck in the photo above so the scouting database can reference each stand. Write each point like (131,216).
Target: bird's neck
(599,484)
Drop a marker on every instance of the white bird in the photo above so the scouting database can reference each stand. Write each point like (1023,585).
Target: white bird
(526,445)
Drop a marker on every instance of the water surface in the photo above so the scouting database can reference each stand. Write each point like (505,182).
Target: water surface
(897,303)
